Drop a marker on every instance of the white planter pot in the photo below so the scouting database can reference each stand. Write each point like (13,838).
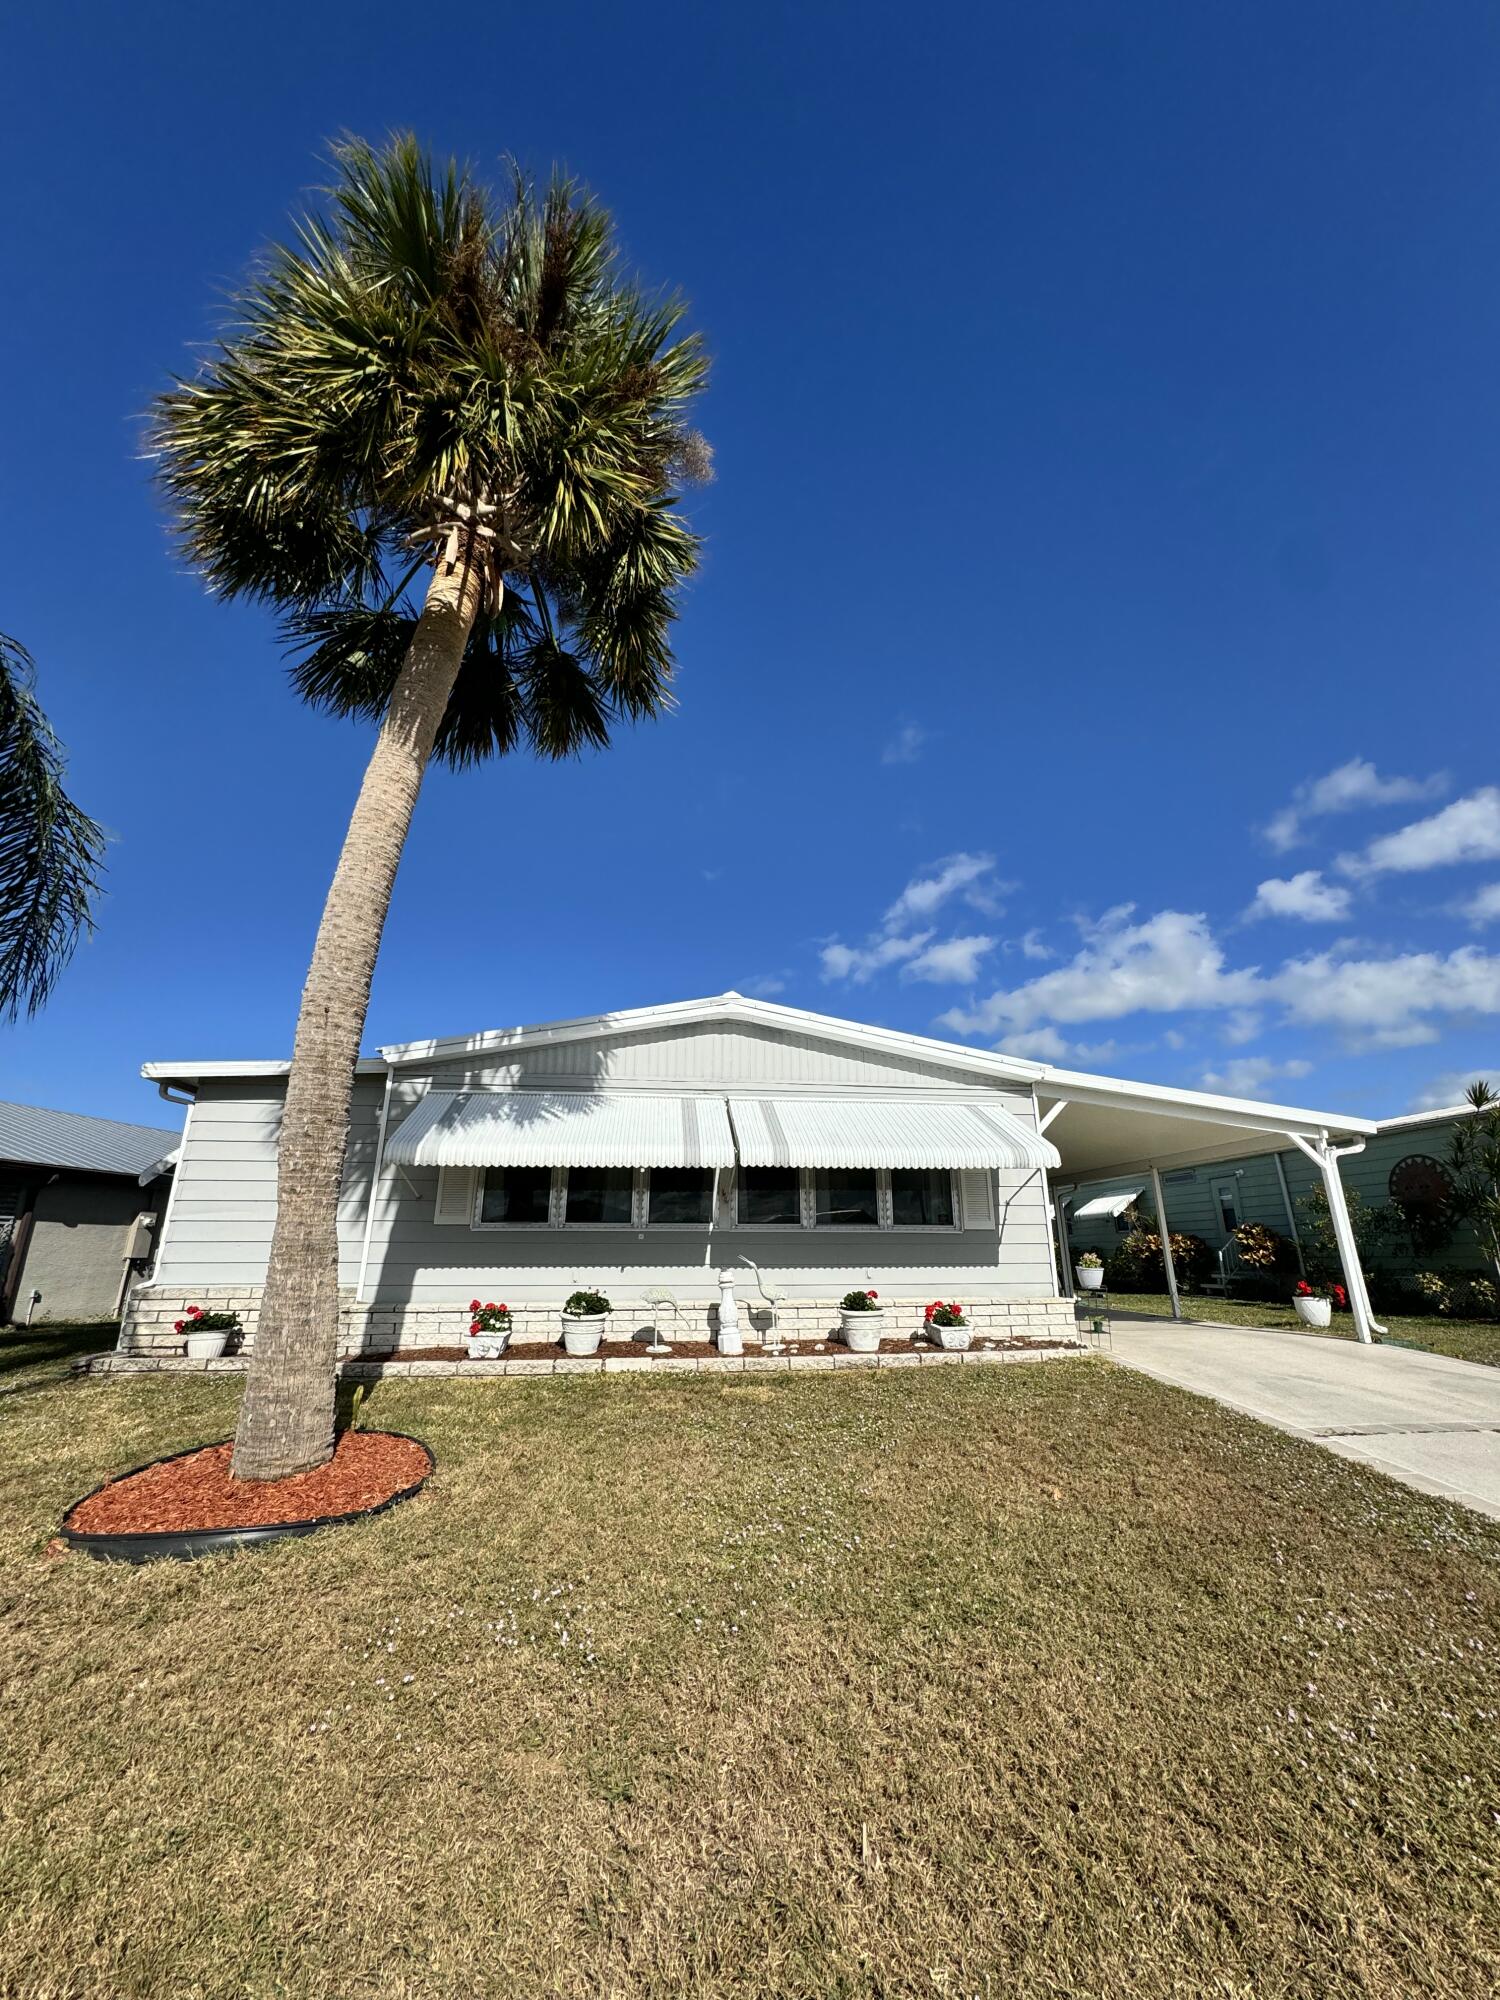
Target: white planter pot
(1090,1277)
(862,1330)
(487,1346)
(582,1333)
(1314,1312)
(206,1346)
(954,1338)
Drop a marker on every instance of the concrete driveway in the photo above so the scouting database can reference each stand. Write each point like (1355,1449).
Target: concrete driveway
(1421,1418)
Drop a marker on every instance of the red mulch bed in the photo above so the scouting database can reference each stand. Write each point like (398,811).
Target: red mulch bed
(196,1491)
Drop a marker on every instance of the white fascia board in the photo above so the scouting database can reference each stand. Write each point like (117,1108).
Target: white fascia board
(722,1007)
(1078,1087)
(1411,1120)
(198,1072)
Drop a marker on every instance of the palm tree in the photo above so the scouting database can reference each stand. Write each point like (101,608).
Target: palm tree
(442,440)
(51,853)
(1474,1168)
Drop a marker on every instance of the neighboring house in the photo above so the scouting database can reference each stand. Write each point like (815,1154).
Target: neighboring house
(1403,1161)
(79,1202)
(662,1146)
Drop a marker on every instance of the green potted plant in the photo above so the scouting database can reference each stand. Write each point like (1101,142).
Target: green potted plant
(946,1324)
(584,1318)
(862,1318)
(1089,1271)
(489,1331)
(206,1333)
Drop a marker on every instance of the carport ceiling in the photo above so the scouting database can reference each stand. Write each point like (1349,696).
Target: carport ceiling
(1100,1136)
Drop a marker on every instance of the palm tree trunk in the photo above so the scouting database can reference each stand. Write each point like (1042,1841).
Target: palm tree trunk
(286,1420)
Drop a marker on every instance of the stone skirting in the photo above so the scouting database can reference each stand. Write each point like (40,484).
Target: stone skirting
(370,1331)
(551,1363)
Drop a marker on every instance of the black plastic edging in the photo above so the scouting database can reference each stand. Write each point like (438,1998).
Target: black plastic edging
(187,1544)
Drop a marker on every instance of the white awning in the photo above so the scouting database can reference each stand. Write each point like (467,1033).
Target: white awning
(814,1131)
(1108,1205)
(561,1128)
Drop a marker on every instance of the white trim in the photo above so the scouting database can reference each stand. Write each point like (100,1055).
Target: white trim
(377,1167)
(1168,1263)
(1410,1121)
(177,1180)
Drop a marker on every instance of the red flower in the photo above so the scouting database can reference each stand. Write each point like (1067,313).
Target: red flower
(473,1305)
(490,1308)
(872,1295)
(178,1325)
(1303,1289)
(502,1309)
(475,1327)
(195,1312)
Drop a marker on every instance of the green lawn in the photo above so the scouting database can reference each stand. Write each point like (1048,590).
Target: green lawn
(1036,1680)
(1465,1339)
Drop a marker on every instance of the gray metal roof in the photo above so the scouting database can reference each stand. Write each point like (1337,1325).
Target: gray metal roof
(86,1145)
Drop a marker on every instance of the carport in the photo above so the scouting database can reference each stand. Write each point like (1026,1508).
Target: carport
(1107,1130)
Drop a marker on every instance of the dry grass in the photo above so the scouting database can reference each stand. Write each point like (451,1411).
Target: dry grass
(1463,1339)
(1044,1680)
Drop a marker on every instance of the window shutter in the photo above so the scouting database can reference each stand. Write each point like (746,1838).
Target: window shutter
(976,1194)
(455,1194)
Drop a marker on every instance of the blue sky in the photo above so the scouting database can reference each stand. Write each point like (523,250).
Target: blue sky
(1095,647)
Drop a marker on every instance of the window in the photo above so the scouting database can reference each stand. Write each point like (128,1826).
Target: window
(680,1195)
(1227,1201)
(516,1194)
(770,1198)
(845,1199)
(921,1199)
(600,1195)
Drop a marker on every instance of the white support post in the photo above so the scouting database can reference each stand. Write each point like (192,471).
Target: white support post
(1047,1198)
(1326,1159)
(1166,1243)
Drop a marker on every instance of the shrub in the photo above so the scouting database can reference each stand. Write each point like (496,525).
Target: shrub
(1138,1265)
(1457,1295)
(860,1302)
(586,1305)
(1262,1248)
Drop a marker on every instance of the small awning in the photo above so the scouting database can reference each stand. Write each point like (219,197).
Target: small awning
(1107,1206)
(561,1128)
(815,1131)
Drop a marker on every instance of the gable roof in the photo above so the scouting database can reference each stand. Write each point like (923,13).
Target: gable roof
(72,1140)
(736,1009)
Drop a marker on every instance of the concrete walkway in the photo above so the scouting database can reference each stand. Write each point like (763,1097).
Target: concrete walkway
(1421,1418)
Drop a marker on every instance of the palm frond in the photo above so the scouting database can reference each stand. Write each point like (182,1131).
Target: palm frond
(51,852)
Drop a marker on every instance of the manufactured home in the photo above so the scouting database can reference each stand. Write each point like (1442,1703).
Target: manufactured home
(676,1148)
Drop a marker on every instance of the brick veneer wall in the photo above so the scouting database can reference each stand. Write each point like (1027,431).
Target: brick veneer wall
(148,1327)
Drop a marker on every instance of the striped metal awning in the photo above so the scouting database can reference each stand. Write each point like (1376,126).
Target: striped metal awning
(814,1131)
(561,1128)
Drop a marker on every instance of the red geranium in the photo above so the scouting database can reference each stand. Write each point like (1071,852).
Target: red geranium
(195,1312)
(475,1327)
(178,1325)
(473,1305)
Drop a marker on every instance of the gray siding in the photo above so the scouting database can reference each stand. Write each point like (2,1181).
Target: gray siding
(225,1206)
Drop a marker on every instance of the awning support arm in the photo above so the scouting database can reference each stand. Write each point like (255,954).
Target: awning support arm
(1166,1242)
(1047,1116)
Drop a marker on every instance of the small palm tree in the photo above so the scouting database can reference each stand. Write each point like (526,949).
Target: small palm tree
(1474,1168)
(443,440)
(51,853)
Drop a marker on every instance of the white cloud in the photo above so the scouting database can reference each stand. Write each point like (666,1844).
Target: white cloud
(860,963)
(1037,1044)
(1468,830)
(1483,907)
(906,746)
(1447,1090)
(1389,1002)
(1242,1026)
(1033,947)
(1247,1076)
(970,876)
(953,960)
(765,985)
(1168,963)
(1342,790)
(1171,963)
(1306,896)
